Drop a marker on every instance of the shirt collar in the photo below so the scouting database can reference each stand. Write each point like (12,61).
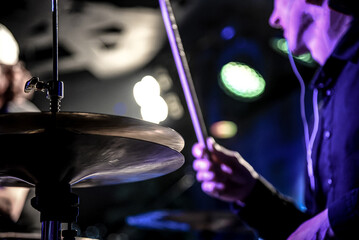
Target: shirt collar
(346,50)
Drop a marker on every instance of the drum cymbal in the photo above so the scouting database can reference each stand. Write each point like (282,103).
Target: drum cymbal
(84,149)
(212,221)
(29,236)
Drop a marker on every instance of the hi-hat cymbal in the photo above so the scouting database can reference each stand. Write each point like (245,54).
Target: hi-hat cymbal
(84,149)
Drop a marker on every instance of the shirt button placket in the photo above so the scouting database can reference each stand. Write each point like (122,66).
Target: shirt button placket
(327,134)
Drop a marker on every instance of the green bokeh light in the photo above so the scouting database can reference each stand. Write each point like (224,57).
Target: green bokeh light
(241,80)
(280,45)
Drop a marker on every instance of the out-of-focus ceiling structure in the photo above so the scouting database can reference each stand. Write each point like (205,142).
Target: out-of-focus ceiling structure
(101,37)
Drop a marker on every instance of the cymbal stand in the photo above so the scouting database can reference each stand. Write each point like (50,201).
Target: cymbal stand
(54,88)
(56,204)
(54,200)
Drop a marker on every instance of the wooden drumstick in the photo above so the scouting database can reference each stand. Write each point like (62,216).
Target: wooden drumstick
(183,71)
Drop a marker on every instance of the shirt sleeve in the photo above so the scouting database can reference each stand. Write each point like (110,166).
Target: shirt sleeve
(270,213)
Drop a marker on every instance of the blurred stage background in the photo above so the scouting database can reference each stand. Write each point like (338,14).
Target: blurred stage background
(107,46)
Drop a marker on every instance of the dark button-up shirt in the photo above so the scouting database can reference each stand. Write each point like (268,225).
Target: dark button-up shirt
(336,150)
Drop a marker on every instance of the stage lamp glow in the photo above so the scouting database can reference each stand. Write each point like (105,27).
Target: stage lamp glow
(280,45)
(241,80)
(146,89)
(155,110)
(147,95)
(223,129)
(228,32)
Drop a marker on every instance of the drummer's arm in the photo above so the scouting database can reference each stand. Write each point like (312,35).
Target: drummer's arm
(12,200)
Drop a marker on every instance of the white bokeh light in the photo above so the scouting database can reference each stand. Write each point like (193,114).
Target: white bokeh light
(147,95)
(155,110)
(146,89)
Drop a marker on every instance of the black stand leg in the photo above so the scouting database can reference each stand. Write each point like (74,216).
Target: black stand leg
(51,230)
(69,234)
(57,204)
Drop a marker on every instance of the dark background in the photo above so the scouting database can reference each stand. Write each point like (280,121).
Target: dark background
(269,128)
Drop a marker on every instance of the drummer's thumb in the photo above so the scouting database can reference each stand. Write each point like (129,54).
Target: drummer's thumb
(210,143)
(198,150)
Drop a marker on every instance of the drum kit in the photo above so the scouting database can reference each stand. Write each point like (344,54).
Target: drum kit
(204,222)
(65,150)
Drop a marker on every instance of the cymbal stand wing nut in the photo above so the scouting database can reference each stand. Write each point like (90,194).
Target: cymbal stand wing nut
(54,91)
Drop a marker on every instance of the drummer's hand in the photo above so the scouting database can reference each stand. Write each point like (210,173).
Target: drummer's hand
(224,174)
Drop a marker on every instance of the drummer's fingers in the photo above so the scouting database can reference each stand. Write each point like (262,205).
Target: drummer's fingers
(201,164)
(215,175)
(204,164)
(212,188)
(210,142)
(197,150)
(203,176)
(218,153)
(226,169)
